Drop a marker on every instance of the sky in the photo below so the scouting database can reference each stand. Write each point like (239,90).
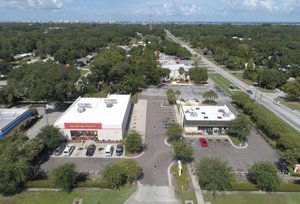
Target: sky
(156,10)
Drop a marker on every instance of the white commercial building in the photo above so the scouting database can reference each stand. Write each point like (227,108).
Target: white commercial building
(206,119)
(103,119)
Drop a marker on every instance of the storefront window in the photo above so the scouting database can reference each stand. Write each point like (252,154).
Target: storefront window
(84,135)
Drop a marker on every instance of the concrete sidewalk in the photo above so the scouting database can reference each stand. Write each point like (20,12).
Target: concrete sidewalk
(153,195)
(196,186)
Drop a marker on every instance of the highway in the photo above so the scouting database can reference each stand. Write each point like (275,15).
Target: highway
(290,116)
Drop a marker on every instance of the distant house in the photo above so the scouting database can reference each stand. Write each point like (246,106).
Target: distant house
(81,62)
(20,56)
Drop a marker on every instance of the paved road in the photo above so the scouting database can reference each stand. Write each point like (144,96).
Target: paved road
(157,156)
(288,115)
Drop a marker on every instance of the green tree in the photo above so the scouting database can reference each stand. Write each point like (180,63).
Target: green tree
(64,176)
(181,70)
(130,168)
(210,96)
(214,174)
(183,150)
(50,136)
(292,89)
(198,75)
(264,175)
(174,132)
(133,141)
(177,93)
(114,176)
(271,78)
(171,96)
(44,81)
(240,127)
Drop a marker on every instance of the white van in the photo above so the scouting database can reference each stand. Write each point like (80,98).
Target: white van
(109,149)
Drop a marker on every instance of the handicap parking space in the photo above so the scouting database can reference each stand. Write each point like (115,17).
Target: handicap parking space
(81,149)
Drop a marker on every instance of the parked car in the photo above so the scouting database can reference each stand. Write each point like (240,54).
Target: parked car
(203,142)
(277,103)
(59,150)
(182,100)
(249,91)
(109,149)
(90,150)
(69,150)
(119,150)
(195,100)
(282,166)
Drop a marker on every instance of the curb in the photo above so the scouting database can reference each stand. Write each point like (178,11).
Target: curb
(166,142)
(235,146)
(169,175)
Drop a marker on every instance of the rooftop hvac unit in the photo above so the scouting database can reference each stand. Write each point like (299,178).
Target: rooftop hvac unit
(80,109)
(110,102)
(84,105)
(194,114)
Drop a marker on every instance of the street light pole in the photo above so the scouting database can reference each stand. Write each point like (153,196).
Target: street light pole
(261,76)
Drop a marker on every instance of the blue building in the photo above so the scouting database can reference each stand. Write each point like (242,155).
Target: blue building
(11,120)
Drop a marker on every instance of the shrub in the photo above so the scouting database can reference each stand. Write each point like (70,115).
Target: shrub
(65,176)
(264,175)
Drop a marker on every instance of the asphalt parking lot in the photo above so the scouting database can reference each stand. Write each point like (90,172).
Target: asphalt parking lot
(239,159)
(189,91)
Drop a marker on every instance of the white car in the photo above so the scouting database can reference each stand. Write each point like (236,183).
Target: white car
(69,150)
(277,103)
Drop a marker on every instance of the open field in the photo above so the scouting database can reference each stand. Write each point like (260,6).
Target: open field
(249,198)
(88,197)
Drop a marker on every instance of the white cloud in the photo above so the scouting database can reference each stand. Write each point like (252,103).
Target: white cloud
(175,8)
(34,4)
(252,5)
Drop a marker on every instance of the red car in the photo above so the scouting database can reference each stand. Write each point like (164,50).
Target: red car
(203,142)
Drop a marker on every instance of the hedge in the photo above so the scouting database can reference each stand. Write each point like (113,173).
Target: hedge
(48,183)
(286,139)
(247,186)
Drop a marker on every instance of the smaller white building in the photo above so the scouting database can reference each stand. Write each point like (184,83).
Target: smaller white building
(103,119)
(206,119)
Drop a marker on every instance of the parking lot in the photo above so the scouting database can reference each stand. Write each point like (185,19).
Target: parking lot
(189,91)
(239,159)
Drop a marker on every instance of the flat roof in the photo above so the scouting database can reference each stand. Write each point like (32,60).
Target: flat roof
(95,110)
(7,116)
(175,67)
(208,113)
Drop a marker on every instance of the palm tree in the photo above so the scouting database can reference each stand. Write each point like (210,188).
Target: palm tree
(210,96)
(177,93)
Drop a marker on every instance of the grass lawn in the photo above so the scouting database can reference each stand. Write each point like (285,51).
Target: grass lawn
(87,196)
(236,141)
(245,198)
(183,188)
(291,104)
(223,83)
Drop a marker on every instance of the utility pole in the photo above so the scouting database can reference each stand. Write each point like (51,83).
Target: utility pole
(150,18)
